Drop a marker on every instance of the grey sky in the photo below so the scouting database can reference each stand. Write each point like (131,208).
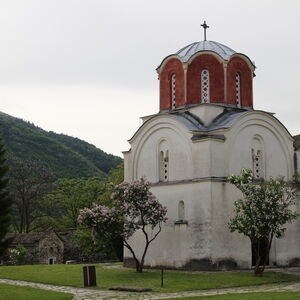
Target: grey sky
(87,68)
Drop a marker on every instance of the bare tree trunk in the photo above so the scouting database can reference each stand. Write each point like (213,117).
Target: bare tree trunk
(260,269)
(257,270)
(26,218)
(270,239)
(139,265)
(137,262)
(147,244)
(21,214)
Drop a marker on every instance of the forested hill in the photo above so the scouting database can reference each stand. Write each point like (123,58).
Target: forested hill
(65,156)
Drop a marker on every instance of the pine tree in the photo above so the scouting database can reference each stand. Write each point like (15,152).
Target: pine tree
(5,202)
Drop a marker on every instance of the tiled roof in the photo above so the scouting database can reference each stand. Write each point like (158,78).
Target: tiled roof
(186,52)
(26,238)
(224,120)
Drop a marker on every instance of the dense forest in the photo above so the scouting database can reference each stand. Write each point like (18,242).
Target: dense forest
(64,156)
(51,178)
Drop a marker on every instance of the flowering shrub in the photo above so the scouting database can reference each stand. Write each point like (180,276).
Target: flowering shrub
(134,208)
(263,212)
(16,256)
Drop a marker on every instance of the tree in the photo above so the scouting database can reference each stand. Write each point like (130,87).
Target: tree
(5,203)
(68,197)
(263,212)
(60,210)
(29,182)
(61,206)
(296,181)
(134,208)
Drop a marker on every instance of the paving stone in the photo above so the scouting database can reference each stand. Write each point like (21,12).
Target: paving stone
(130,289)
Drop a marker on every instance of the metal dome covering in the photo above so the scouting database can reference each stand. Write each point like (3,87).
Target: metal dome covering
(188,51)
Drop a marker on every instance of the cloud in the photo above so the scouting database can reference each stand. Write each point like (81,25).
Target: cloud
(65,60)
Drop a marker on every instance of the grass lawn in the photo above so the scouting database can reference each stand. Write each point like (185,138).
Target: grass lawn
(248,296)
(12,292)
(71,275)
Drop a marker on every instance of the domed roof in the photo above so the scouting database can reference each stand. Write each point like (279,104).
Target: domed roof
(186,52)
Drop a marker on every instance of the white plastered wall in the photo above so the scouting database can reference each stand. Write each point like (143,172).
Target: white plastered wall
(278,161)
(144,154)
(208,204)
(179,243)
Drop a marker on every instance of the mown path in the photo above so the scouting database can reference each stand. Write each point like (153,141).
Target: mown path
(91,294)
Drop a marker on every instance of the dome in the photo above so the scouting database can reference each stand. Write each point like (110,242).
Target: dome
(188,51)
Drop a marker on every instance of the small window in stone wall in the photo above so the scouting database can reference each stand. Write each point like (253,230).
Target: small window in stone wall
(257,161)
(181,212)
(205,86)
(173,91)
(238,89)
(164,165)
(51,251)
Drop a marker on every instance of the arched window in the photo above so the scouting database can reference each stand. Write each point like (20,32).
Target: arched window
(173,91)
(205,86)
(257,164)
(164,165)
(238,89)
(181,212)
(257,158)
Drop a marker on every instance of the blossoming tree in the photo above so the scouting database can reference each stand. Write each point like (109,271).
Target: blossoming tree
(263,212)
(134,208)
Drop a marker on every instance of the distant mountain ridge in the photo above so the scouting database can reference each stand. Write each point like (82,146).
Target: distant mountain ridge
(65,156)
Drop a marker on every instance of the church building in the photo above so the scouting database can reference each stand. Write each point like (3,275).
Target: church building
(207,129)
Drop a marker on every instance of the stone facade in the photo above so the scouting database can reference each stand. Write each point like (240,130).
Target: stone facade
(42,247)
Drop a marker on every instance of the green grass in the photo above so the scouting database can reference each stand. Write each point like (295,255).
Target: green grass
(12,292)
(248,296)
(71,275)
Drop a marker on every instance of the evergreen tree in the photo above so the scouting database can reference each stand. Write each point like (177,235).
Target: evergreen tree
(5,202)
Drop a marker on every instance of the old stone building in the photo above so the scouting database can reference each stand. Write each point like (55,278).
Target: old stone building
(207,129)
(42,247)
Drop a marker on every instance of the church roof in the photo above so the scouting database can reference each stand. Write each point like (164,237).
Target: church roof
(193,123)
(224,120)
(28,239)
(25,238)
(188,51)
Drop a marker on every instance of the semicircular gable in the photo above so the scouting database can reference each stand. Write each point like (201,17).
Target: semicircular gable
(146,148)
(216,55)
(276,140)
(171,67)
(166,60)
(187,121)
(245,58)
(214,65)
(239,66)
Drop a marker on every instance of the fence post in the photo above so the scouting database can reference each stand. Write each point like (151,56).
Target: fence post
(89,276)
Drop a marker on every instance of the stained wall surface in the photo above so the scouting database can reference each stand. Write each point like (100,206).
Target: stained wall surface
(196,175)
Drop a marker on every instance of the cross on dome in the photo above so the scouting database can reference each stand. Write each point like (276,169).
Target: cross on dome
(205,26)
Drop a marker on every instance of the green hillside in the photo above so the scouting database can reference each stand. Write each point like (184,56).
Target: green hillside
(65,156)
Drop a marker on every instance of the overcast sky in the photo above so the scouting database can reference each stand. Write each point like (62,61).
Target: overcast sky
(86,68)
